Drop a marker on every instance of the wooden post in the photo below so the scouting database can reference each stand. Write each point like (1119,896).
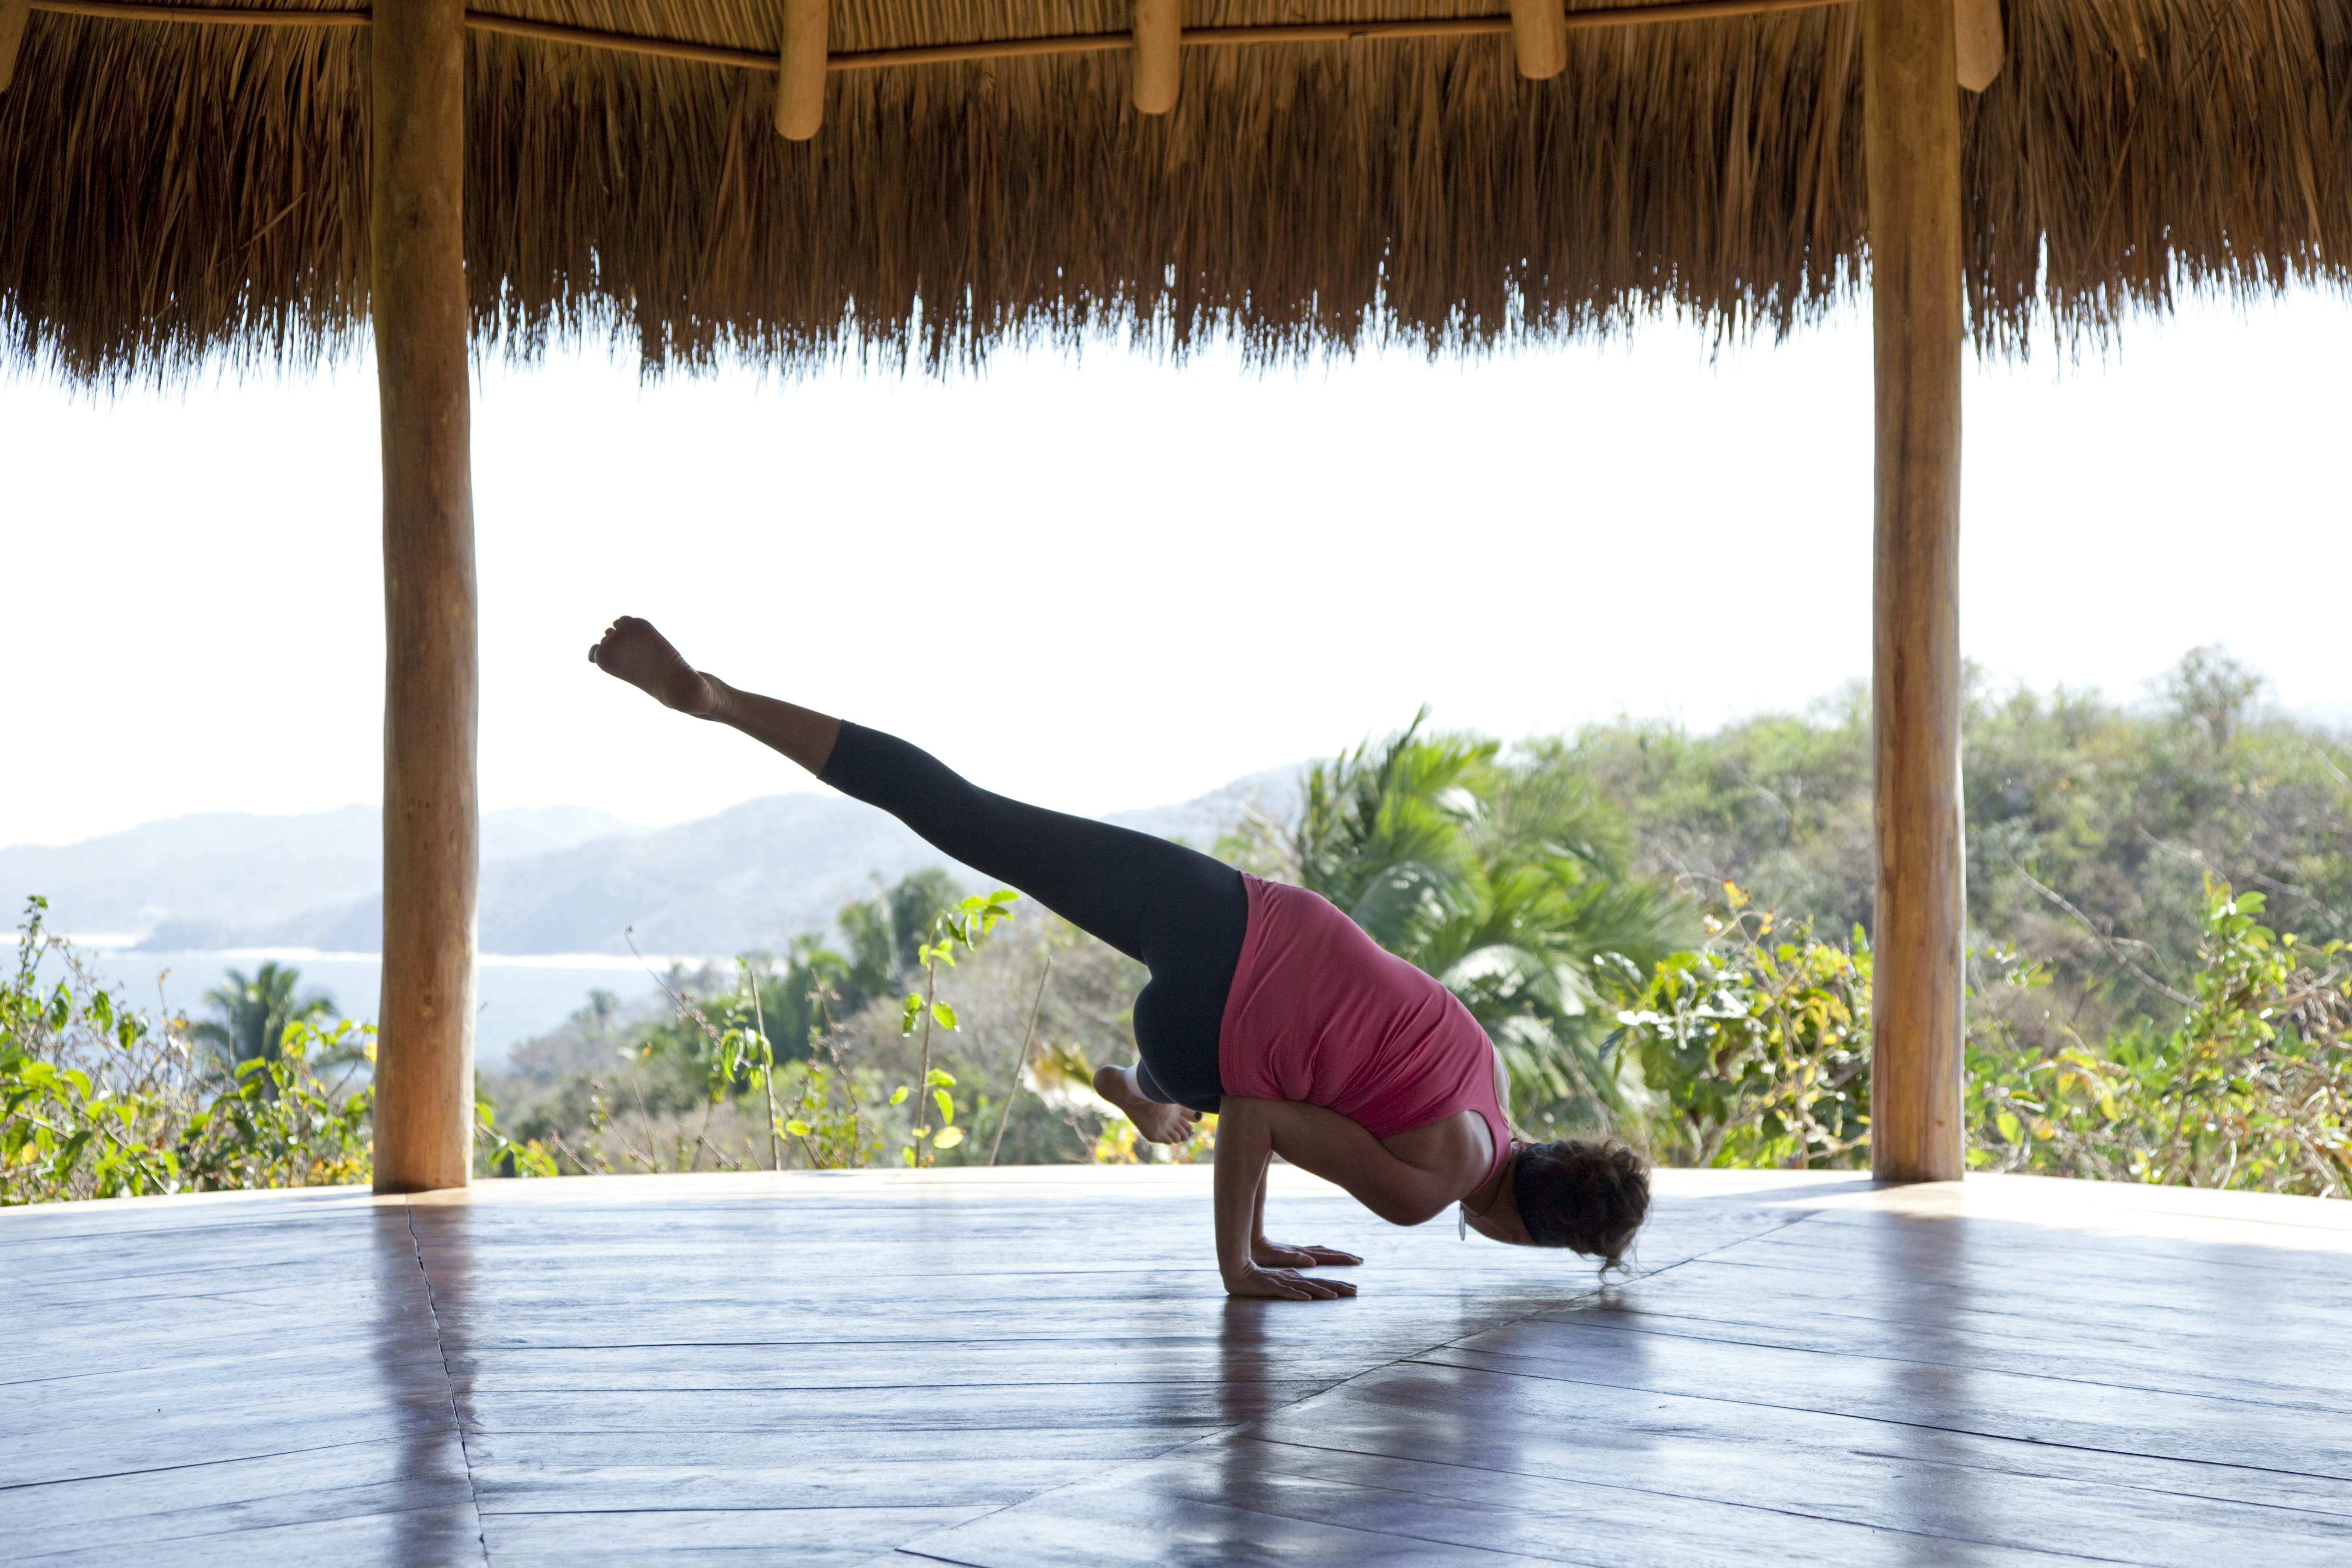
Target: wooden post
(1158,54)
(1978,26)
(13,15)
(424,1061)
(1539,38)
(1912,145)
(799,73)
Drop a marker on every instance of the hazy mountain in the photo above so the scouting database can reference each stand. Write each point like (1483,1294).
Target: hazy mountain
(191,880)
(561,880)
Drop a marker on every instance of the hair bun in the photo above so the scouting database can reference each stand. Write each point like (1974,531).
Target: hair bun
(1587,1196)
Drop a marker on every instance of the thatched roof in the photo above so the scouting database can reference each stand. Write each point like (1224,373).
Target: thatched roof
(173,190)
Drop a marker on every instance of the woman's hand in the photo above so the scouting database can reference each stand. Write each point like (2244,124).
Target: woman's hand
(1283,1285)
(1282,1255)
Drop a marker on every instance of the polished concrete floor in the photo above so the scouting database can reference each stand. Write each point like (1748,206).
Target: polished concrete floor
(1037,1367)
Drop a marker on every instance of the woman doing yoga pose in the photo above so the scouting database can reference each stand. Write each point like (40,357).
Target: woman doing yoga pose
(1266,1005)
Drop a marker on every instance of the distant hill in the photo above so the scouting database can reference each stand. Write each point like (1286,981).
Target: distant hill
(560,879)
(188,881)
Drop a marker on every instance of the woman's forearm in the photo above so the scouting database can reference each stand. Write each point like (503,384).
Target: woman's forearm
(1243,1145)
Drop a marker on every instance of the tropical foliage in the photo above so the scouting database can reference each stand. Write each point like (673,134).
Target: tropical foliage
(780,1061)
(255,1014)
(1756,1049)
(99,1099)
(1665,933)
(2249,1087)
(1504,878)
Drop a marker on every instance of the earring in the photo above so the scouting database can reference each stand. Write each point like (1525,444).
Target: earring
(1461,1223)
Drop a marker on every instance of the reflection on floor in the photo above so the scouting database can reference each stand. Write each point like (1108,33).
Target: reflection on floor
(1036,1367)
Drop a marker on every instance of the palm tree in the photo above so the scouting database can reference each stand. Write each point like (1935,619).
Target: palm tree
(1503,879)
(256,1012)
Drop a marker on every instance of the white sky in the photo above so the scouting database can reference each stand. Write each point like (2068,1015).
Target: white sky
(1113,584)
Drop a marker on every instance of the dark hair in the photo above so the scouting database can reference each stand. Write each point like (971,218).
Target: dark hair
(1587,1196)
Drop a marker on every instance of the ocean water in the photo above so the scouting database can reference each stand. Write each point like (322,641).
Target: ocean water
(516,997)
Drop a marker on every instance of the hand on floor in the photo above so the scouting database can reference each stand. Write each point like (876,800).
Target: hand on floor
(1282,1255)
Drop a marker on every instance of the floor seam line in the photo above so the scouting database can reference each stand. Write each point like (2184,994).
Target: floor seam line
(1241,1428)
(1684,1497)
(1946,1365)
(1413,1357)
(1210,1436)
(1891,1421)
(457,1420)
(191,1465)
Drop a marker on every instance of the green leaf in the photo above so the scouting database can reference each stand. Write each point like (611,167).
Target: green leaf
(949,1138)
(944,1014)
(947,1107)
(898,1095)
(797,1128)
(940,1078)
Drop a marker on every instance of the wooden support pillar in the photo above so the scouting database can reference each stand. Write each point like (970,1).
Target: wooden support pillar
(1539,38)
(1158,54)
(425,1062)
(1977,24)
(13,15)
(1912,145)
(800,74)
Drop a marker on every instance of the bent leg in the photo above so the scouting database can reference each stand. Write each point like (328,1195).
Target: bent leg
(1174,909)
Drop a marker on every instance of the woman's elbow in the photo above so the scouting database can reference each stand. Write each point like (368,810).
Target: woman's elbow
(1409,1210)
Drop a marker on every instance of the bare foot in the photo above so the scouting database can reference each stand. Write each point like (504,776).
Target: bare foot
(633,651)
(1159,1124)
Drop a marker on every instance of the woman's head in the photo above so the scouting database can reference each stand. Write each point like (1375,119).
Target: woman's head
(1591,1196)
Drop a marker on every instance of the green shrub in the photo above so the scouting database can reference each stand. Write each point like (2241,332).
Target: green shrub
(99,1099)
(1754,1049)
(2251,1089)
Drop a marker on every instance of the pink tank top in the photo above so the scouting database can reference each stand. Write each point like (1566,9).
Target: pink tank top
(1320,1013)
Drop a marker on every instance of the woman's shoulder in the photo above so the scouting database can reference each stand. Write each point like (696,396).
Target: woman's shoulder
(1461,1143)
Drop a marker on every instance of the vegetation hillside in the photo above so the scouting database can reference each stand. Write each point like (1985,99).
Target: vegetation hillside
(1666,934)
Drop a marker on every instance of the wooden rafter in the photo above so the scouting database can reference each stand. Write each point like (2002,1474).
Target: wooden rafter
(949,54)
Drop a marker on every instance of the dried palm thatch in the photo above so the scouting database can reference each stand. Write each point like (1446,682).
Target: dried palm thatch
(174,191)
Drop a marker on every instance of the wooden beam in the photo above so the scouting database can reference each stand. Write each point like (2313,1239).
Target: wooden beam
(1979,35)
(800,69)
(952,54)
(1911,130)
(425,1060)
(1539,38)
(1158,61)
(214,16)
(13,15)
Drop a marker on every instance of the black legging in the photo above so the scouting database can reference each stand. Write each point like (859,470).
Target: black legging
(1176,910)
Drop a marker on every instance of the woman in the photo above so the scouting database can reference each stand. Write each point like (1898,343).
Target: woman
(1266,1005)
